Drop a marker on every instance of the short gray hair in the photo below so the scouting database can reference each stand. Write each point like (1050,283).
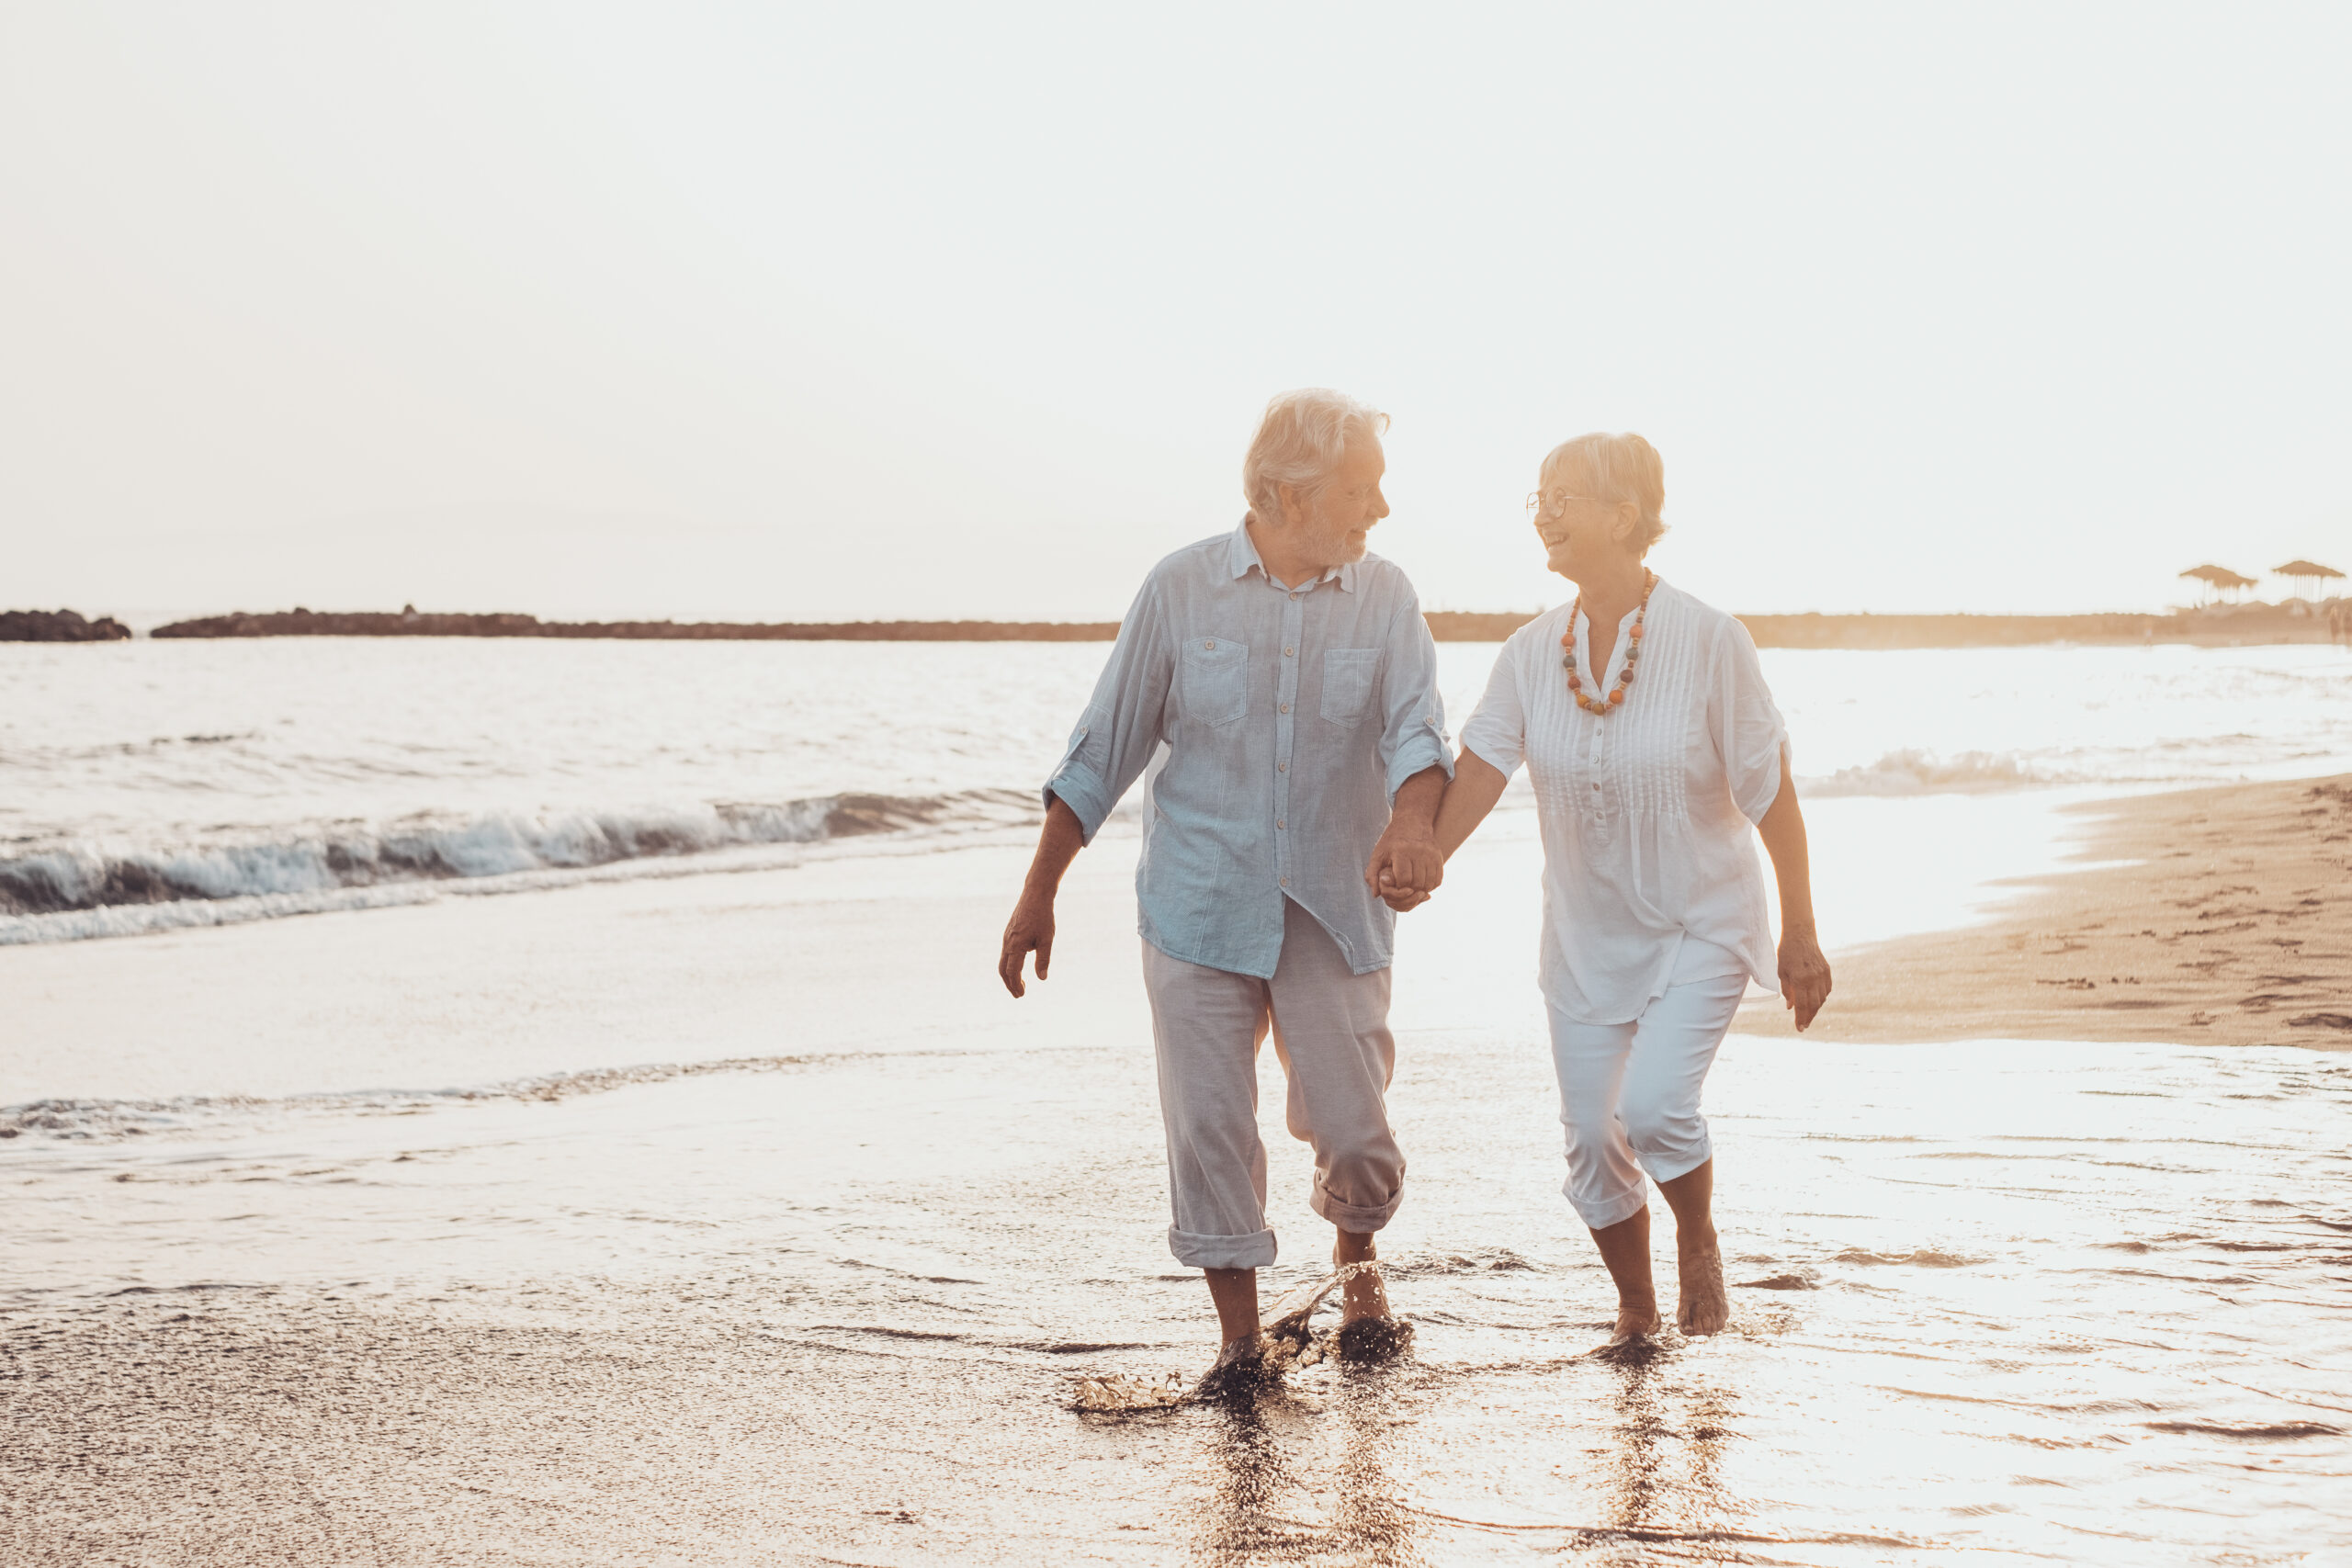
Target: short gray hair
(1300,442)
(1618,468)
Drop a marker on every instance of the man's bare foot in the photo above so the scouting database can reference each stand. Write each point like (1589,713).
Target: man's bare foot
(1635,1323)
(1241,1373)
(1370,1341)
(1364,1293)
(1705,1308)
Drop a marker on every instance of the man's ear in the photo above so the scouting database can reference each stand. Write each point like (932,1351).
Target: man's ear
(1292,507)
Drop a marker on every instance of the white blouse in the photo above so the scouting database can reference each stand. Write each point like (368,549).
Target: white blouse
(1647,814)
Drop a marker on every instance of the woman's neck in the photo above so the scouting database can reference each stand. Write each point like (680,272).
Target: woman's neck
(1610,595)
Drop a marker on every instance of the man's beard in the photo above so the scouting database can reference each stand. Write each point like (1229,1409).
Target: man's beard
(1333,547)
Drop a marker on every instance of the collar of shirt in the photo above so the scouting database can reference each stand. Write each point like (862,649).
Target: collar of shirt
(1243,558)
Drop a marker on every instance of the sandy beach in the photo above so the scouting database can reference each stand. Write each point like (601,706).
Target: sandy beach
(731,1219)
(2220,915)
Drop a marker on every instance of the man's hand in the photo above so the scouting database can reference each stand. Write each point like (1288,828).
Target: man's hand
(1804,976)
(1031,930)
(1405,864)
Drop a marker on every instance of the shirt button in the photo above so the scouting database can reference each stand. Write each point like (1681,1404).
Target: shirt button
(1278,823)
(1294,596)
(1212,642)
(1288,652)
(1282,767)
(1284,881)
(1285,707)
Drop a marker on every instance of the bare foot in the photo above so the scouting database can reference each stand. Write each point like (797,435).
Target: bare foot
(1705,1308)
(1635,1323)
(1364,1293)
(1242,1373)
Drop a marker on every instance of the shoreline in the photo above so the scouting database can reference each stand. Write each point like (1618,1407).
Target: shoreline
(2216,916)
(2215,627)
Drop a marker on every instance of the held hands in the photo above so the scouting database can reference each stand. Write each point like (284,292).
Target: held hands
(1406,866)
(1804,976)
(1031,930)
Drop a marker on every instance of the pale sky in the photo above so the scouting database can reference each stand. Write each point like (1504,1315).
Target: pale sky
(841,311)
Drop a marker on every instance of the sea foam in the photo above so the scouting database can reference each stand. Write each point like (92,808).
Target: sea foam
(102,888)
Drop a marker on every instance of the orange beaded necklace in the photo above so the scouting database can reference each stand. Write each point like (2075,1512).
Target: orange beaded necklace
(1616,699)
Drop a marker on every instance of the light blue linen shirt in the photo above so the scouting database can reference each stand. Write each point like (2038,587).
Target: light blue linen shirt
(1290,717)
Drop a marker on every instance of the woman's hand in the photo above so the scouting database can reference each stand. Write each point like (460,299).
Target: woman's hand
(1804,975)
(1406,868)
(1405,865)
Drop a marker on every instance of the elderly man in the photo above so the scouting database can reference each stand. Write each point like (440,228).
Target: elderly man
(1293,681)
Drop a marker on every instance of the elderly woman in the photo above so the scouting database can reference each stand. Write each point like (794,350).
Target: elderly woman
(1654,746)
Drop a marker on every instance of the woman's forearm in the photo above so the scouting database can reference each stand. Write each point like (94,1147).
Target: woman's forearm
(1782,831)
(1477,785)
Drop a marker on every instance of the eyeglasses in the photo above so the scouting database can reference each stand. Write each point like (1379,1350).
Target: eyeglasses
(1538,503)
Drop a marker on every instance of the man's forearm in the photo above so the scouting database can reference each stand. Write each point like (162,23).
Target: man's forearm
(1415,809)
(1058,845)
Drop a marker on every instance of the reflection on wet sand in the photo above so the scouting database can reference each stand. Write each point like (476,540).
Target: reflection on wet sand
(1663,1473)
(1320,1473)
(1302,1477)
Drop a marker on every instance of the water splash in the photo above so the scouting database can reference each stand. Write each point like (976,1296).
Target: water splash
(1287,1342)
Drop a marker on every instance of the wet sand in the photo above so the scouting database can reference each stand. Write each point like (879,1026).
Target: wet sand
(2032,1303)
(2220,916)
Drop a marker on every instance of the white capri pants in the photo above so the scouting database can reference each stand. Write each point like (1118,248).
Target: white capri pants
(1629,1092)
(1331,1030)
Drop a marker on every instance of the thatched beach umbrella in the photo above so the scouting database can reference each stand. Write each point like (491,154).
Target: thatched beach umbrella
(2219,578)
(2301,572)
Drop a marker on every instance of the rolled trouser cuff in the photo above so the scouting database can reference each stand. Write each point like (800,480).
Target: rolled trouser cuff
(1361,1218)
(1663,1169)
(1193,1250)
(1599,1216)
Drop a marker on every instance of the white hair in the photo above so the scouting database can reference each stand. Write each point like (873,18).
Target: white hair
(1617,468)
(1299,443)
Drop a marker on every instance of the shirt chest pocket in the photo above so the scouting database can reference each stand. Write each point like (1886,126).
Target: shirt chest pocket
(1350,677)
(1213,678)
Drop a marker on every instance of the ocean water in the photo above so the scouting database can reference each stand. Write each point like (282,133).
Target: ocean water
(146,784)
(695,1199)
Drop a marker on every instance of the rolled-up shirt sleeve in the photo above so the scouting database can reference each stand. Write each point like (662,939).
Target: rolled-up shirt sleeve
(1750,736)
(1120,729)
(1412,732)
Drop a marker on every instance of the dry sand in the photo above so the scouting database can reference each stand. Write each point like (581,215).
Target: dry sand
(2215,916)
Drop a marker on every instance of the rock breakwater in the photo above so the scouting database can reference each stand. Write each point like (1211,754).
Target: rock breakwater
(59,625)
(2221,625)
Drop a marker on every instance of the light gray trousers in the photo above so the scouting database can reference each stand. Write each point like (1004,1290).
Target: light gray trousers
(1330,1031)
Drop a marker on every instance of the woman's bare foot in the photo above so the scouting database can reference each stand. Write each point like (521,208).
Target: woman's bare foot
(1705,1308)
(1634,1322)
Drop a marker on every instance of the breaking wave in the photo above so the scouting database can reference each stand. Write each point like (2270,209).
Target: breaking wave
(1928,773)
(83,889)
